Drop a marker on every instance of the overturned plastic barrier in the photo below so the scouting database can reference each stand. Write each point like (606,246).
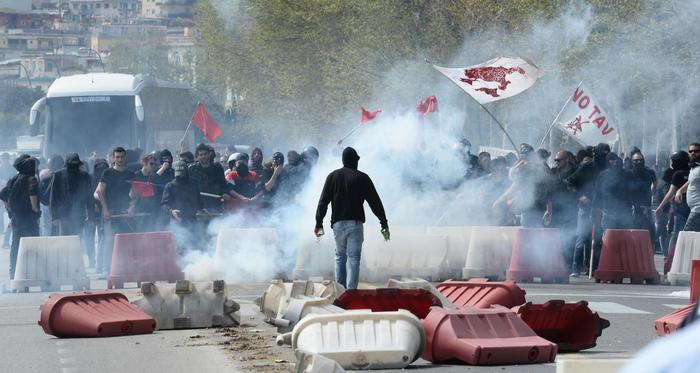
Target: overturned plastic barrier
(49,263)
(457,246)
(483,336)
(627,254)
(315,258)
(687,249)
(537,253)
(419,283)
(695,281)
(415,301)
(284,304)
(489,252)
(362,339)
(670,323)
(144,257)
(572,326)
(482,293)
(187,304)
(410,252)
(315,363)
(93,314)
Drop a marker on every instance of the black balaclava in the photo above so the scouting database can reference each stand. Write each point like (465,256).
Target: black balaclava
(242,169)
(180,171)
(350,158)
(25,165)
(601,152)
(638,165)
(680,160)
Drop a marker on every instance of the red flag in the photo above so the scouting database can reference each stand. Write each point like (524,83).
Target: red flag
(427,106)
(206,123)
(143,189)
(369,115)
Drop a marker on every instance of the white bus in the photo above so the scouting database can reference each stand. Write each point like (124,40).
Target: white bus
(98,111)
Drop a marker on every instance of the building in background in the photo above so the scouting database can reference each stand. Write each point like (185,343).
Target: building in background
(167,8)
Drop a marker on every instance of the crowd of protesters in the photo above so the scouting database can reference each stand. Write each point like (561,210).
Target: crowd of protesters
(582,194)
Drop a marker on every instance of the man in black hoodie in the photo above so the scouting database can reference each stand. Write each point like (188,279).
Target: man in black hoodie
(346,189)
(21,197)
(70,196)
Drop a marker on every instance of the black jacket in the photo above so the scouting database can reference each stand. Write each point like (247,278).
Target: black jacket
(183,196)
(70,195)
(346,189)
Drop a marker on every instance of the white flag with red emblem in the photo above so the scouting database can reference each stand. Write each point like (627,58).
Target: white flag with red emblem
(585,120)
(494,80)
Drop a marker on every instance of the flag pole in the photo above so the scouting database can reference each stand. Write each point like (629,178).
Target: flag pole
(557,117)
(182,141)
(348,134)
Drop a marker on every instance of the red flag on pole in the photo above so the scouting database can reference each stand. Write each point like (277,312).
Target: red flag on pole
(206,123)
(427,106)
(369,115)
(143,189)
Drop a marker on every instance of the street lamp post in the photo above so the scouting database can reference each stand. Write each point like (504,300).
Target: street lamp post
(17,62)
(90,50)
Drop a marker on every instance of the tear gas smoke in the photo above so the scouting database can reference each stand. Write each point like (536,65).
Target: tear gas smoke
(414,166)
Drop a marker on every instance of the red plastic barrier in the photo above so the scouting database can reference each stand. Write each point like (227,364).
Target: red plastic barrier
(93,314)
(479,292)
(537,253)
(416,301)
(694,281)
(668,261)
(572,326)
(483,336)
(144,257)
(671,322)
(627,253)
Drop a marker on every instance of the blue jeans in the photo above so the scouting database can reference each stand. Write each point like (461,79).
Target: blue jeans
(349,235)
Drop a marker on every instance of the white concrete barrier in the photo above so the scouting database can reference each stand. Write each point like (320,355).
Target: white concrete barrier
(489,252)
(687,249)
(284,304)
(457,246)
(49,263)
(314,363)
(362,339)
(186,304)
(411,252)
(315,258)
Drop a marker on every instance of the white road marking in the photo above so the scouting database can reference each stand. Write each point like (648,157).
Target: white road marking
(64,351)
(19,308)
(67,361)
(611,307)
(675,306)
(606,295)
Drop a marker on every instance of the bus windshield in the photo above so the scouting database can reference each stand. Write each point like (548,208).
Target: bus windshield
(85,124)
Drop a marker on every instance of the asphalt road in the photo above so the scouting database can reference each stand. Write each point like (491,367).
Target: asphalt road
(631,310)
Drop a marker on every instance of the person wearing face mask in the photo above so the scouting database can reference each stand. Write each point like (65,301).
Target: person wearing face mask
(21,198)
(680,165)
(641,186)
(70,196)
(246,184)
(181,199)
(690,191)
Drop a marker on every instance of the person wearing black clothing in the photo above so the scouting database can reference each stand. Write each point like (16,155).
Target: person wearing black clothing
(113,193)
(94,217)
(679,209)
(256,161)
(70,196)
(346,189)
(564,204)
(21,198)
(146,199)
(209,177)
(641,186)
(180,202)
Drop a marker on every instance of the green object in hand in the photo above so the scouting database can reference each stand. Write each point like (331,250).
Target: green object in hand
(386,234)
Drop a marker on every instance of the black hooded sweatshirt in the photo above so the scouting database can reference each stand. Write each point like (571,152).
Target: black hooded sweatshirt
(346,189)
(71,192)
(19,188)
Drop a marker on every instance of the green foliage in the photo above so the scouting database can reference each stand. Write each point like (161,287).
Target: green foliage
(15,102)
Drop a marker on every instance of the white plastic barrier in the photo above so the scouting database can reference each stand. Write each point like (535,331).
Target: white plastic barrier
(362,339)
(314,363)
(315,258)
(187,304)
(687,249)
(49,263)
(410,253)
(457,246)
(489,252)
(419,283)
(284,304)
